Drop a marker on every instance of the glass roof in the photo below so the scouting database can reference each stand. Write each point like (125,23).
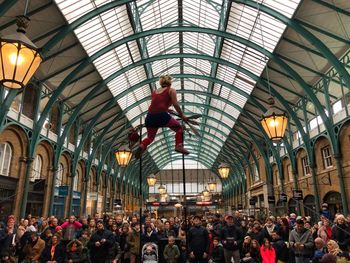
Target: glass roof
(243,21)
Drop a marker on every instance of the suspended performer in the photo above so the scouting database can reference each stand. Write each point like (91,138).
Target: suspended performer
(158,116)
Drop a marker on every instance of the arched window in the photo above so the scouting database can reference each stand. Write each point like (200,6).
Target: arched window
(75,182)
(5,158)
(59,179)
(37,166)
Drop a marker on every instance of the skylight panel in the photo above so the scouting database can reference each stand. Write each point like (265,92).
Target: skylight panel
(201,42)
(159,14)
(200,13)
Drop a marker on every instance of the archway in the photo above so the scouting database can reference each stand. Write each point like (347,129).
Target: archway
(292,206)
(333,199)
(310,207)
(280,208)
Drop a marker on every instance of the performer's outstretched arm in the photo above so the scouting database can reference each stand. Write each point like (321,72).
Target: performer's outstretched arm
(176,104)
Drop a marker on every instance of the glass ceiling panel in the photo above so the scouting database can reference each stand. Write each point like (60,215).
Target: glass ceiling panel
(244,21)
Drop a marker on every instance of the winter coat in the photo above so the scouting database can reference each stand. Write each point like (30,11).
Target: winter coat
(198,240)
(267,255)
(171,253)
(150,257)
(217,254)
(340,232)
(32,251)
(305,238)
(133,241)
(281,249)
(59,255)
(232,237)
(75,254)
(70,229)
(100,253)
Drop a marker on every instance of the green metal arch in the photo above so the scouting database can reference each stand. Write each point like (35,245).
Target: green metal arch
(165,30)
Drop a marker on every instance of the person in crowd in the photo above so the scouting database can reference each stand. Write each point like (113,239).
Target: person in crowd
(75,251)
(8,238)
(324,230)
(267,252)
(246,246)
(281,249)
(171,251)
(269,228)
(258,233)
(301,242)
(100,243)
(198,242)
(92,226)
(217,253)
(167,231)
(149,235)
(33,249)
(325,211)
(46,235)
(53,224)
(70,228)
(133,241)
(284,229)
(123,243)
(341,232)
(54,251)
(320,250)
(333,248)
(254,253)
(232,238)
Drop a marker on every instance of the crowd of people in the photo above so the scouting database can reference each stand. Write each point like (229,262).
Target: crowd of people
(210,239)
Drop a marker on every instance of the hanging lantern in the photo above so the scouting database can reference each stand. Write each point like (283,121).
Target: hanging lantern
(123,156)
(151,180)
(224,170)
(161,189)
(212,185)
(178,205)
(274,122)
(19,57)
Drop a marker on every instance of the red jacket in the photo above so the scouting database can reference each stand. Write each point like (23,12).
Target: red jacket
(267,255)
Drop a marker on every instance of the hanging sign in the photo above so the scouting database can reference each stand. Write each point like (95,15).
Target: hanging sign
(283,198)
(298,195)
(271,199)
(93,196)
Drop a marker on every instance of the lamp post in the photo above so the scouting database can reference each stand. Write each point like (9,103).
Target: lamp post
(123,156)
(19,57)
(224,170)
(274,122)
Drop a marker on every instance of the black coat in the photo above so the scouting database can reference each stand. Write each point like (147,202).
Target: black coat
(198,240)
(101,253)
(282,251)
(231,237)
(340,233)
(59,256)
(217,254)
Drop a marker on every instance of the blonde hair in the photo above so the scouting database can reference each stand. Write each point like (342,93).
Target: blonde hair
(334,247)
(165,80)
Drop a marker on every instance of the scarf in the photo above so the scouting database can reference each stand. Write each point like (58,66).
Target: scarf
(52,252)
(270,229)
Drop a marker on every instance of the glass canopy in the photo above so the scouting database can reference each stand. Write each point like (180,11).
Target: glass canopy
(216,102)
